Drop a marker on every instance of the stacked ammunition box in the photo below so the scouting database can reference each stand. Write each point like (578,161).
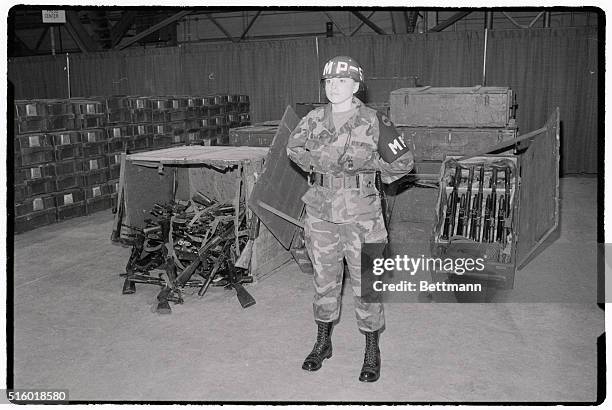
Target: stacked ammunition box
(68,152)
(256,135)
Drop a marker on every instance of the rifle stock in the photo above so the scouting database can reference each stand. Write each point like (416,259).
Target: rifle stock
(244,297)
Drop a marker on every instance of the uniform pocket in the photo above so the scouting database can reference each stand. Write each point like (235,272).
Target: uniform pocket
(363,201)
(315,199)
(377,235)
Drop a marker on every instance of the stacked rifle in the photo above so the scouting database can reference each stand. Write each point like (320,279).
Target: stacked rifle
(479,205)
(190,244)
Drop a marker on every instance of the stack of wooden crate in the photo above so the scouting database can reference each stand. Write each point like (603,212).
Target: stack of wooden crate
(67,152)
(439,121)
(449,130)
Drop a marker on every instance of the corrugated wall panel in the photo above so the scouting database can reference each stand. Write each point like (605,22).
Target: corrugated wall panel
(546,68)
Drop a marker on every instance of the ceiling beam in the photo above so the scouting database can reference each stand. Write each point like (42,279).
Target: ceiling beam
(450,21)
(361,24)
(367,21)
(79,33)
(242,37)
(256,38)
(220,27)
(153,29)
(121,27)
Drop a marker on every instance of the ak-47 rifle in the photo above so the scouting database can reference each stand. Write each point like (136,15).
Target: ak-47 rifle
(501,218)
(215,269)
(477,209)
(507,204)
(487,219)
(179,281)
(461,216)
(451,208)
(492,214)
(235,281)
(468,208)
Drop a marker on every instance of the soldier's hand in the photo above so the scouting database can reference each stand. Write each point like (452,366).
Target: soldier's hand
(310,145)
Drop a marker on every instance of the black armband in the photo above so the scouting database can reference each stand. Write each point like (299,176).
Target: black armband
(391,144)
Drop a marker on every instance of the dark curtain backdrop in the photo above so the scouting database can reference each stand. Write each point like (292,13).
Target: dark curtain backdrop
(548,69)
(545,67)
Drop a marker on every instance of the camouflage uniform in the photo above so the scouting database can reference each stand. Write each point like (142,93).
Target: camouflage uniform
(343,206)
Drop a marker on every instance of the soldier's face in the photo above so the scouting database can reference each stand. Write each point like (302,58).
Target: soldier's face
(338,90)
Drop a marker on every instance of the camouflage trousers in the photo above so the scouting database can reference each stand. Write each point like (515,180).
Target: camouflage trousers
(328,244)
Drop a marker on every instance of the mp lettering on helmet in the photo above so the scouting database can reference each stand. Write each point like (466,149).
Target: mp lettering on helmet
(343,68)
(328,68)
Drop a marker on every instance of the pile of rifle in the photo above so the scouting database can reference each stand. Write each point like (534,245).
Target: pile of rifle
(189,244)
(479,206)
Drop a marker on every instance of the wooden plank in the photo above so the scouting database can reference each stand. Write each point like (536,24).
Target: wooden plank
(118,220)
(218,156)
(539,192)
(505,144)
(281,185)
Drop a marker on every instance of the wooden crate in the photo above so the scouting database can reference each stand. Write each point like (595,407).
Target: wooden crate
(33,141)
(34,220)
(34,204)
(94,135)
(33,156)
(474,107)
(119,131)
(432,144)
(29,108)
(253,135)
(60,122)
(222,173)
(534,210)
(65,182)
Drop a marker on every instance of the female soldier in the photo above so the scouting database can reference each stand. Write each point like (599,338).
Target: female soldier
(342,146)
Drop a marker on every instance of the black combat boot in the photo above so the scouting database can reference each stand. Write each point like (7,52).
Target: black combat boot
(322,349)
(370,371)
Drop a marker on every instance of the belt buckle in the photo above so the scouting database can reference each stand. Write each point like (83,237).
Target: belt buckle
(336,183)
(350,181)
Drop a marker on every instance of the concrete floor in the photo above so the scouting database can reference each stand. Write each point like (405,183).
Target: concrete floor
(74,329)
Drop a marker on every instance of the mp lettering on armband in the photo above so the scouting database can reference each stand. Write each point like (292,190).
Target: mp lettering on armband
(391,144)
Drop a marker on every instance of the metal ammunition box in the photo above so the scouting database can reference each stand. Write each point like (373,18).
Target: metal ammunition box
(35,220)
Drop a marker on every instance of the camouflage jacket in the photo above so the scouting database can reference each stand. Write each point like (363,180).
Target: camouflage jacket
(316,146)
